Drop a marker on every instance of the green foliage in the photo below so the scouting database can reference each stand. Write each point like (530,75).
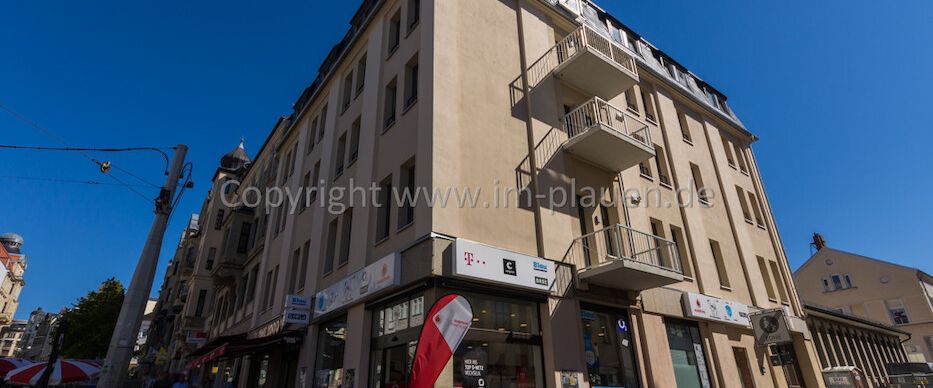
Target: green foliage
(89,324)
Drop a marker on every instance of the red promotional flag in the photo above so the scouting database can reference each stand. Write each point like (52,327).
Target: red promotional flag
(444,328)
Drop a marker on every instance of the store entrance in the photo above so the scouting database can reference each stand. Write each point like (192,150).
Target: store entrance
(488,358)
(608,347)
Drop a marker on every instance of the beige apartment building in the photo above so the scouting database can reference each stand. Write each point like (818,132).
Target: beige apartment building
(878,290)
(12,268)
(620,236)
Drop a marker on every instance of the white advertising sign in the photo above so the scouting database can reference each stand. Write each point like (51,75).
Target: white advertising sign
(297,302)
(374,277)
(483,262)
(715,309)
(301,317)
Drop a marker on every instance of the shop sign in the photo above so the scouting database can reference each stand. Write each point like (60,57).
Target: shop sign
(770,327)
(196,337)
(715,309)
(297,302)
(270,328)
(483,262)
(301,317)
(375,277)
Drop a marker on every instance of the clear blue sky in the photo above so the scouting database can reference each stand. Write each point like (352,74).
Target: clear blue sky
(837,92)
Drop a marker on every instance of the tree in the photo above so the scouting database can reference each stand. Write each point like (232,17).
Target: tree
(91,321)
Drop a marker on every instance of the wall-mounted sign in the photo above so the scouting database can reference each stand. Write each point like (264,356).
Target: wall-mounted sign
(301,317)
(297,302)
(375,277)
(483,262)
(715,309)
(196,337)
(770,327)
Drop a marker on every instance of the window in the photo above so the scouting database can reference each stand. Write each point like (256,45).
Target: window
(698,184)
(826,285)
(384,209)
(390,103)
(414,14)
(677,236)
(687,353)
(331,246)
(331,344)
(741,156)
(756,207)
(354,141)
(209,263)
(613,362)
(219,220)
(411,82)
(769,287)
(293,271)
(406,214)
(644,169)
(779,279)
(251,286)
(347,94)
(243,243)
(323,126)
(292,155)
(395,26)
(312,133)
(897,311)
(741,362)
(660,159)
(848,281)
(266,297)
(315,181)
(648,101)
(720,264)
(272,287)
(837,282)
(305,185)
(199,307)
(745,213)
(684,127)
(303,269)
(346,231)
(728,149)
(360,76)
(630,101)
(340,155)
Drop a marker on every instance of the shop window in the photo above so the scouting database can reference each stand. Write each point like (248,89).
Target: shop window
(480,363)
(332,337)
(608,348)
(504,314)
(687,354)
(399,315)
(395,346)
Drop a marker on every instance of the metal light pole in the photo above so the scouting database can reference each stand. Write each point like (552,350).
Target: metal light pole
(134,304)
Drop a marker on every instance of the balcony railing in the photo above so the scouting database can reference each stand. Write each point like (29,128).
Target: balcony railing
(598,112)
(620,242)
(580,40)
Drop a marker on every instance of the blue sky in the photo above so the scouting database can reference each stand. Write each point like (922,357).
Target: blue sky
(835,90)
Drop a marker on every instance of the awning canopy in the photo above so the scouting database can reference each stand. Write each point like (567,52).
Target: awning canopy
(238,345)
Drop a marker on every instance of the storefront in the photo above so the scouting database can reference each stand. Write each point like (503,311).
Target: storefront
(608,346)
(331,345)
(687,354)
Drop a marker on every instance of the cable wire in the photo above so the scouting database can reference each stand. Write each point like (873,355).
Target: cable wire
(60,180)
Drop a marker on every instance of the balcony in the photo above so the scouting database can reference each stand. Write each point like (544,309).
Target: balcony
(607,136)
(623,258)
(590,62)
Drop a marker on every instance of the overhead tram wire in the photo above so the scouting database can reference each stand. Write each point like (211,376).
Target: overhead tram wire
(61,180)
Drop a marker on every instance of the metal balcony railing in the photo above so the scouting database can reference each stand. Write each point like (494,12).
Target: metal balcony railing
(620,242)
(598,112)
(580,39)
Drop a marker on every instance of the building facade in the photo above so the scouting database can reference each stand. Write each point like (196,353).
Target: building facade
(873,289)
(13,262)
(844,340)
(10,337)
(36,342)
(619,232)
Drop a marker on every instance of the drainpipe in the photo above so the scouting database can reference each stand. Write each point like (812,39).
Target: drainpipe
(529,133)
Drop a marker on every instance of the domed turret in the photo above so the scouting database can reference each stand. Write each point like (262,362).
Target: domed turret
(12,242)
(236,159)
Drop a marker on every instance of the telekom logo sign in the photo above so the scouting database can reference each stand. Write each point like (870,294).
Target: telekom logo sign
(469,259)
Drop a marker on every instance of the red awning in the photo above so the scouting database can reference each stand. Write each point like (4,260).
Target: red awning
(208,357)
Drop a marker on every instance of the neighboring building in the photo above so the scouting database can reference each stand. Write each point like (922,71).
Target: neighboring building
(842,339)
(36,343)
(10,337)
(878,290)
(429,94)
(143,336)
(12,268)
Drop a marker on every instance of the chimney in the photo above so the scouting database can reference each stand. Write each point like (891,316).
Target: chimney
(818,241)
